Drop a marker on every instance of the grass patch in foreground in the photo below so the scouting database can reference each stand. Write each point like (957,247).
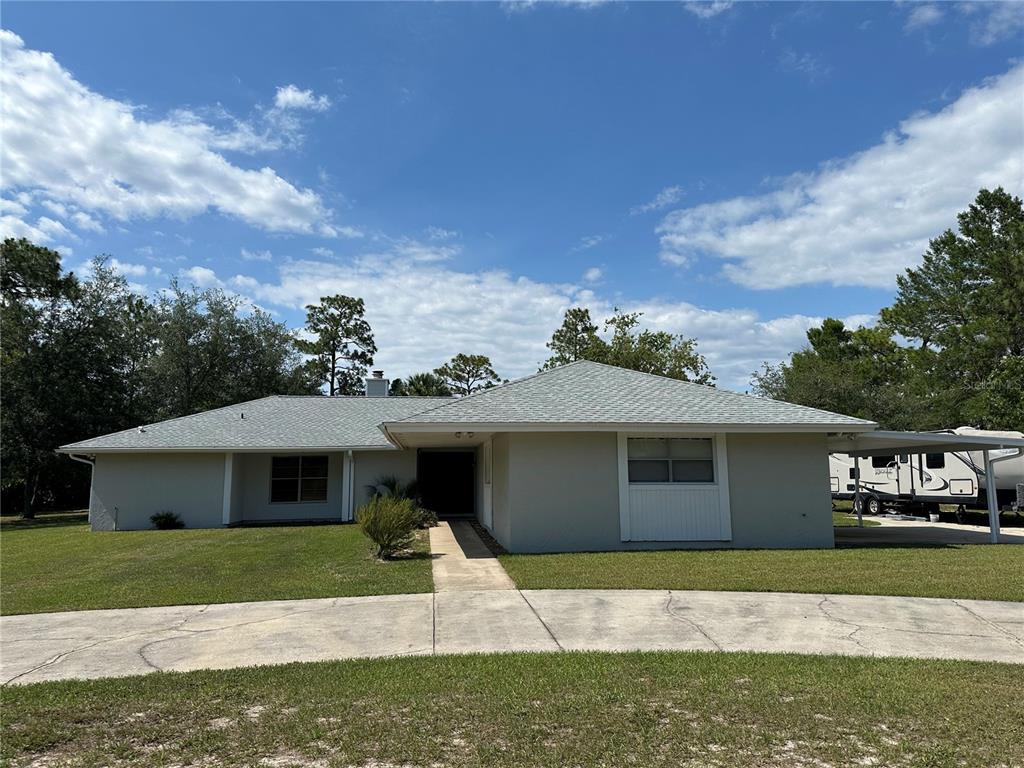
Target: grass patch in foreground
(649,709)
(978,571)
(55,563)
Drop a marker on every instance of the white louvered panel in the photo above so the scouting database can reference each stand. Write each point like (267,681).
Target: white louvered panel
(676,513)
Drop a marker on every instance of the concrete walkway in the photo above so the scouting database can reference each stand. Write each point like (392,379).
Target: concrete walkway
(111,643)
(916,532)
(462,562)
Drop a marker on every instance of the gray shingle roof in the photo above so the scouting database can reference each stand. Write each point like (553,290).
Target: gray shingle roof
(577,394)
(593,393)
(278,422)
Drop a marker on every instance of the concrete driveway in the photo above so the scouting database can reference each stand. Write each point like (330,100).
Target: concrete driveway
(111,643)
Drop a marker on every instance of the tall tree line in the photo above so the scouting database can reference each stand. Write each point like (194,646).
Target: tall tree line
(82,357)
(949,351)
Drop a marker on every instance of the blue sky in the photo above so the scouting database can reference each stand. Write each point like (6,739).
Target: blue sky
(736,171)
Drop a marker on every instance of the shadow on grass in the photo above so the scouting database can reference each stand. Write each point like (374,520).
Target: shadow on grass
(44,520)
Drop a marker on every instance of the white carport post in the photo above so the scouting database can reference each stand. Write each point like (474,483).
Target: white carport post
(993,502)
(857,504)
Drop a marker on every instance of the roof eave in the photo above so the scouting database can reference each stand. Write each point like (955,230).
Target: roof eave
(393,428)
(89,450)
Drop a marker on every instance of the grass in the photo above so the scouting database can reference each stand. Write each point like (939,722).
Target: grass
(976,571)
(645,709)
(55,563)
(844,520)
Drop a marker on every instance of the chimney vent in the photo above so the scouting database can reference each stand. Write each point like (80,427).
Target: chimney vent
(377,385)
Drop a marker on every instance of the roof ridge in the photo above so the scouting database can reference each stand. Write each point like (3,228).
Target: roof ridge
(486,390)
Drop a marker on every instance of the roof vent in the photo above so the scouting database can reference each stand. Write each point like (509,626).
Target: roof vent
(377,385)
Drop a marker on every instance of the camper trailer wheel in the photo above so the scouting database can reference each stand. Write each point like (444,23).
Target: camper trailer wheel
(870,504)
(961,512)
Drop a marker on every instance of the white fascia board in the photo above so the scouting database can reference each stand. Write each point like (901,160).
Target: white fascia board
(392,428)
(87,451)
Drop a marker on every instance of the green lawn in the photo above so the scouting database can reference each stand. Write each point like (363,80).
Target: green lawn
(642,709)
(844,520)
(970,571)
(57,564)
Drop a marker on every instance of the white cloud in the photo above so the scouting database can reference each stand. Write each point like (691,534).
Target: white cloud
(993,22)
(923,15)
(422,313)
(293,97)
(707,9)
(202,277)
(810,66)
(264,255)
(133,270)
(440,233)
(588,242)
(97,154)
(666,197)
(85,221)
(323,252)
(862,219)
(592,275)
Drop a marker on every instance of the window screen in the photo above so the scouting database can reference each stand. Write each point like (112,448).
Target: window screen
(670,460)
(298,478)
(935,460)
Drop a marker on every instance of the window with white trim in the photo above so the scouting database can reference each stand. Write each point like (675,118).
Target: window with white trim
(298,478)
(671,460)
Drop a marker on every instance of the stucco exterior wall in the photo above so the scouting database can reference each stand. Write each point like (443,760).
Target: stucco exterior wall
(254,479)
(129,488)
(501,523)
(779,491)
(558,492)
(371,465)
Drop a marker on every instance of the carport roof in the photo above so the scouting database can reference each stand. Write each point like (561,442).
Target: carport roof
(883,443)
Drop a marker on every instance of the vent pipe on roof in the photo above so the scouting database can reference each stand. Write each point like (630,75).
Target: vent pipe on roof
(377,385)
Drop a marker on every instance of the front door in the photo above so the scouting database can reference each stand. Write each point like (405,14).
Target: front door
(446,482)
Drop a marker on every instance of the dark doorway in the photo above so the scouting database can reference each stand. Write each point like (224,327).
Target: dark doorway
(446,482)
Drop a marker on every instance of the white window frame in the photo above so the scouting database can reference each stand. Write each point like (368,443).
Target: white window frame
(720,459)
(669,460)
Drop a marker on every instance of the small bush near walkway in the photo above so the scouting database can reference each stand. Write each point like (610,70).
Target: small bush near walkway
(389,522)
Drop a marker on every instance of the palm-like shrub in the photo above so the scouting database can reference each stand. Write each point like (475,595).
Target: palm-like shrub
(393,487)
(389,522)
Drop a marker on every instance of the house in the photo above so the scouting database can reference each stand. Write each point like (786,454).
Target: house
(582,457)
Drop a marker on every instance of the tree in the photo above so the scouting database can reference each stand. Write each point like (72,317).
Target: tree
(466,374)
(861,372)
(657,352)
(421,385)
(576,339)
(343,347)
(210,354)
(964,308)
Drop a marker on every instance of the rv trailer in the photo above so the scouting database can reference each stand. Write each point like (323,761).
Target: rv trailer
(929,479)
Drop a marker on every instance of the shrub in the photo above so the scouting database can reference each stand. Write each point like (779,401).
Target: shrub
(389,522)
(392,486)
(166,521)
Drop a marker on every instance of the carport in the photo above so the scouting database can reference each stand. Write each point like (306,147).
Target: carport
(860,445)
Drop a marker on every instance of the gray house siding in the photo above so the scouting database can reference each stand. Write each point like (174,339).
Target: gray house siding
(558,492)
(128,488)
(779,491)
(371,465)
(253,470)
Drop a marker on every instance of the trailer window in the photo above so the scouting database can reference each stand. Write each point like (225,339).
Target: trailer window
(881,462)
(935,460)
(670,460)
